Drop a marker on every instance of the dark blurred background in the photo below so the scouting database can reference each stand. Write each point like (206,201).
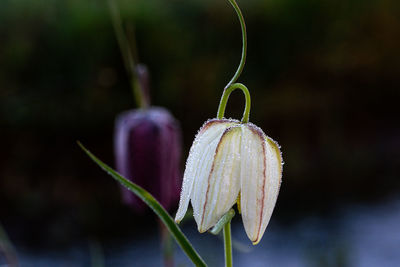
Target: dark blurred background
(324,78)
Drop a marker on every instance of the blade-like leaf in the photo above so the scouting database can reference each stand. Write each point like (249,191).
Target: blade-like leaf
(155,206)
(7,248)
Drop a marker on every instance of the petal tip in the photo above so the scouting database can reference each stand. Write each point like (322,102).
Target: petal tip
(180,215)
(201,229)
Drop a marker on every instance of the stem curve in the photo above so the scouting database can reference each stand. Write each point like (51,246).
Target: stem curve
(224,100)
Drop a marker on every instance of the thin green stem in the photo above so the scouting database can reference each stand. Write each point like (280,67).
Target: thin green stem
(127,55)
(155,206)
(244,41)
(228,244)
(224,99)
(225,223)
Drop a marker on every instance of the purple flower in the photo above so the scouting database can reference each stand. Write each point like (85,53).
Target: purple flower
(147,145)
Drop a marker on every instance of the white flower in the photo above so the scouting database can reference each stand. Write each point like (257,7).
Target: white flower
(228,158)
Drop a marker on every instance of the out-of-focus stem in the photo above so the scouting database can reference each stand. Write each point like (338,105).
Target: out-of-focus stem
(96,254)
(128,58)
(167,246)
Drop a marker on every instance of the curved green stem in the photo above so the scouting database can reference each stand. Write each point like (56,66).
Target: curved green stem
(244,41)
(228,244)
(224,99)
(155,206)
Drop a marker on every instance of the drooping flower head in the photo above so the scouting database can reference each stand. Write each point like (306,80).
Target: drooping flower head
(232,162)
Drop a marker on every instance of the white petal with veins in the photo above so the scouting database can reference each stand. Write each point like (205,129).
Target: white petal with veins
(198,162)
(223,183)
(261,173)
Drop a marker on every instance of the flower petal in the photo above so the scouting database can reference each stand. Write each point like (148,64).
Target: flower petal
(261,173)
(213,131)
(223,181)
(199,164)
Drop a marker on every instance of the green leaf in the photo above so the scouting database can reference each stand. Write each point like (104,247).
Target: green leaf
(221,223)
(7,248)
(169,222)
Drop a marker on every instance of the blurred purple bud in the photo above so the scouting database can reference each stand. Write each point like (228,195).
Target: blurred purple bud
(147,144)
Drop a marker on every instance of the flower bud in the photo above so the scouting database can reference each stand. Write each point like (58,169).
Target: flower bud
(147,144)
(229,158)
